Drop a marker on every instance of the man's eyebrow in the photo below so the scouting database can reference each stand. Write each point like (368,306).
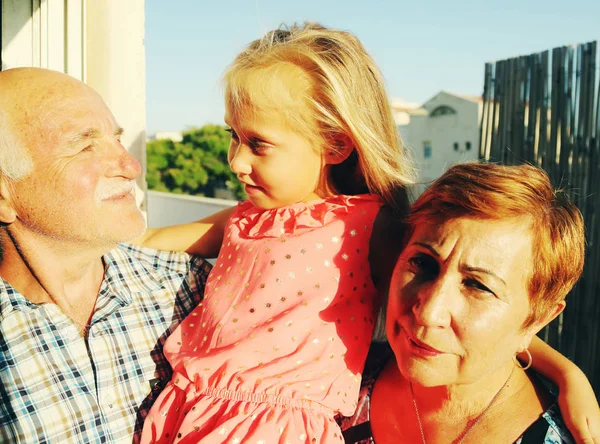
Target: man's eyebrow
(89,133)
(119,131)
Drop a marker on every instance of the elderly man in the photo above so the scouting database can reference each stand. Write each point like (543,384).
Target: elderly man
(82,318)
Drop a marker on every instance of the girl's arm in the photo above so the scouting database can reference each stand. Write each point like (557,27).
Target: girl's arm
(202,238)
(576,398)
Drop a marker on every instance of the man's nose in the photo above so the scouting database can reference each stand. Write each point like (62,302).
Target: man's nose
(122,163)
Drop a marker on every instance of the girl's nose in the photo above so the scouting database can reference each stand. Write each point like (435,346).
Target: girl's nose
(239,160)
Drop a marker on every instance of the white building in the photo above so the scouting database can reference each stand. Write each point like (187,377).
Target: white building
(441,132)
(402,111)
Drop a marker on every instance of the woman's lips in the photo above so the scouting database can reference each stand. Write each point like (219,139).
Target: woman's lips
(420,347)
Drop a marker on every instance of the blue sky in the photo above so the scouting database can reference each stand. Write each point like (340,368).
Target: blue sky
(421,46)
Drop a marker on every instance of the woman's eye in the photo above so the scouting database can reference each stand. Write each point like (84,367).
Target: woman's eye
(476,285)
(423,265)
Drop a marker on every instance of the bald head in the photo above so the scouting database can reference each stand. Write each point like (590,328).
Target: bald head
(31,102)
(78,190)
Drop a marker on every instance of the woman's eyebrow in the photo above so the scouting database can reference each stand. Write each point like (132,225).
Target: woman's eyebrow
(470,268)
(427,247)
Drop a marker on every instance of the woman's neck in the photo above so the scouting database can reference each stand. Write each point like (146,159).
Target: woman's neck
(459,402)
(447,412)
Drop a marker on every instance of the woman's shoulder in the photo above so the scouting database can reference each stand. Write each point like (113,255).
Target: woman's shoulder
(548,429)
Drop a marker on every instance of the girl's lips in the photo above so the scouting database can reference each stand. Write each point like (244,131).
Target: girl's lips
(251,189)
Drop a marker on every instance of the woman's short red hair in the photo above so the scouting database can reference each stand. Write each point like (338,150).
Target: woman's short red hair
(491,191)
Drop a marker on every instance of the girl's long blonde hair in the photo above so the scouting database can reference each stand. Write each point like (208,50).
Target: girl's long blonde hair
(345,95)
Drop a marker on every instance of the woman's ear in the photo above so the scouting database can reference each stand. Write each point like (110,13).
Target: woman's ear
(7,212)
(338,150)
(534,328)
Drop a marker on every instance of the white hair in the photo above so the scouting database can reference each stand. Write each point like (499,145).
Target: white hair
(15,164)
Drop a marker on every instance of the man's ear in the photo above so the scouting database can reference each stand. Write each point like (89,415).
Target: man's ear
(7,212)
(338,150)
(539,324)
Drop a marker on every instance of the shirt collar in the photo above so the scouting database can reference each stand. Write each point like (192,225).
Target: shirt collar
(124,275)
(11,299)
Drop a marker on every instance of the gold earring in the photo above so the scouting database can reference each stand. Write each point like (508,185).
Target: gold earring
(518,363)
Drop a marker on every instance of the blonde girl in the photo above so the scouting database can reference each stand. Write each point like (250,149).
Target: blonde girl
(276,348)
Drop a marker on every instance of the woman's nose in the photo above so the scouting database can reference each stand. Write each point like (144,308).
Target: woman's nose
(432,306)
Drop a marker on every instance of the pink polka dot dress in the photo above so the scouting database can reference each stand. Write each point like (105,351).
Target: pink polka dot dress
(277,346)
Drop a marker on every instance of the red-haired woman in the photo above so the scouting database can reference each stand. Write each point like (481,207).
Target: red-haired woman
(490,254)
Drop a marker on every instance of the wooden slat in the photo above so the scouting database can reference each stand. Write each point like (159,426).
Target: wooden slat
(544,108)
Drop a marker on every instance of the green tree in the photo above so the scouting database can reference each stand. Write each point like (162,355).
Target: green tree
(197,165)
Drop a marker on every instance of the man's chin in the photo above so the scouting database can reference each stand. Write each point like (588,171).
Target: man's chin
(128,232)
(135,233)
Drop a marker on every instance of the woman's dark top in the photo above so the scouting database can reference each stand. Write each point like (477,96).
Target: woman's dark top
(548,429)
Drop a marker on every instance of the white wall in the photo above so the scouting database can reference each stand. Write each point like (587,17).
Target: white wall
(116,68)
(172,209)
(44,33)
(100,42)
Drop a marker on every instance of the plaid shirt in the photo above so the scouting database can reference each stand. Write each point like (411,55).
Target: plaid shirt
(58,387)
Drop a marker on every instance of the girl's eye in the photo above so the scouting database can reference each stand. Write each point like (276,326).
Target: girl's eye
(232,133)
(258,146)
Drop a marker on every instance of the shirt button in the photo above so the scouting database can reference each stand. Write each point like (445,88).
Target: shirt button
(109,401)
